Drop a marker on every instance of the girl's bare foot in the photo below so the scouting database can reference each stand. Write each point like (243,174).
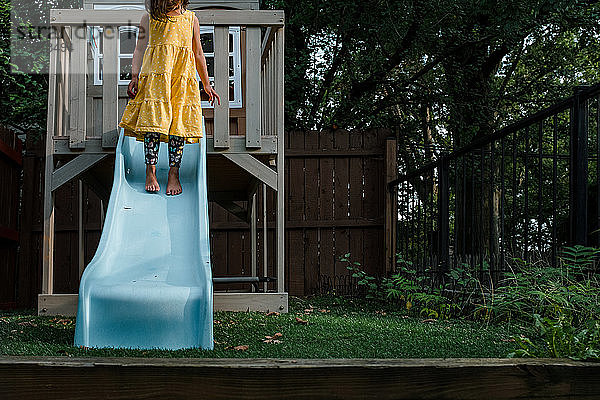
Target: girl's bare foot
(151,182)
(173,184)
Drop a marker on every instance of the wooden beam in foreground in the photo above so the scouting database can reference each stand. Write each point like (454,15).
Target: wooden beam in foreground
(459,378)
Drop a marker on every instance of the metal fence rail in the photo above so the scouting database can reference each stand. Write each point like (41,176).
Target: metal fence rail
(523,192)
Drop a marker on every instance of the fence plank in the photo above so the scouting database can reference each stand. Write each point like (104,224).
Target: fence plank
(296,200)
(341,199)
(356,174)
(326,256)
(311,211)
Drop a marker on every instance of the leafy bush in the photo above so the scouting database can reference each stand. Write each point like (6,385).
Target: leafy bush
(561,302)
(559,338)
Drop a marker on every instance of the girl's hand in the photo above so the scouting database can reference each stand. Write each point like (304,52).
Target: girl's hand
(210,91)
(133,87)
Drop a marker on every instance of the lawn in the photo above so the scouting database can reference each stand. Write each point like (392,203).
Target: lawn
(319,327)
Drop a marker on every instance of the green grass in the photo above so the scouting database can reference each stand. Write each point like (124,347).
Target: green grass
(350,329)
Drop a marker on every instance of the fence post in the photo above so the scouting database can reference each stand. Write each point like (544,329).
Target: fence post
(391,204)
(443,216)
(579,168)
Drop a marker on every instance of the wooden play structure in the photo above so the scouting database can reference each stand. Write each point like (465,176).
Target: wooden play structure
(89,70)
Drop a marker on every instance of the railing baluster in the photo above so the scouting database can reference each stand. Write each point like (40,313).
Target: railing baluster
(554,178)
(502,193)
(221,64)
(540,186)
(526,225)
(598,169)
(110,80)
(77,75)
(253,86)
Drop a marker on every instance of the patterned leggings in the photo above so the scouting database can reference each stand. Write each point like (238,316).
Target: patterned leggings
(151,145)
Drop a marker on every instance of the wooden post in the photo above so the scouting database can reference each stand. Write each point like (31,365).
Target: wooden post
(221,119)
(48,238)
(278,100)
(391,204)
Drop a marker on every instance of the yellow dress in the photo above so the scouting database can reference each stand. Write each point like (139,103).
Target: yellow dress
(168,97)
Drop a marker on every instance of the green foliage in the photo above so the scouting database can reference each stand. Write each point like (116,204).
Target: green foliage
(570,287)
(24,96)
(559,338)
(562,303)
(406,287)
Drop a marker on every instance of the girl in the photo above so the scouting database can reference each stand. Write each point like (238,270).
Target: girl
(164,103)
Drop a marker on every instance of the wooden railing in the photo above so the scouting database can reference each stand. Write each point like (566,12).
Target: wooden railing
(70,102)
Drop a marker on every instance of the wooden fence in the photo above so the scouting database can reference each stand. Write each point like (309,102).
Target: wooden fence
(10,182)
(334,205)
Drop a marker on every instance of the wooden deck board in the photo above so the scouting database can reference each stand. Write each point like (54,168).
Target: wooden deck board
(460,378)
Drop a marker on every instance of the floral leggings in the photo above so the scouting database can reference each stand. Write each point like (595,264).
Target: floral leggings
(151,145)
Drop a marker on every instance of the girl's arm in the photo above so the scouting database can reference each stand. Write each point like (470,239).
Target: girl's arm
(138,55)
(201,64)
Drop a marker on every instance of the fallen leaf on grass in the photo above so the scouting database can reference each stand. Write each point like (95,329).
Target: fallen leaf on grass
(272,313)
(380,312)
(301,321)
(508,340)
(271,341)
(62,321)
(27,323)
(216,322)
(307,310)
(324,310)
(242,347)
(428,320)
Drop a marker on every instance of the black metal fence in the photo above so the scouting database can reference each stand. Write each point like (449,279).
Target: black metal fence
(521,193)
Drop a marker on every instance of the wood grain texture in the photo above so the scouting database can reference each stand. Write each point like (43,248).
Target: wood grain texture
(138,378)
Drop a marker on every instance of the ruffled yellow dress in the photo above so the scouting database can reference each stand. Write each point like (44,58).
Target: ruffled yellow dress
(168,97)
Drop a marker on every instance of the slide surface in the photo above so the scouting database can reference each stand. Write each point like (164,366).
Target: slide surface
(149,284)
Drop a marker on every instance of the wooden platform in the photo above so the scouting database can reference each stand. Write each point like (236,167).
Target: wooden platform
(66,304)
(169,378)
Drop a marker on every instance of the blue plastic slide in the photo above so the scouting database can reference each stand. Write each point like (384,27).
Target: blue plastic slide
(149,284)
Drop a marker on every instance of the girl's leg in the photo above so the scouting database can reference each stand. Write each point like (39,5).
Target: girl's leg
(175,153)
(175,150)
(151,146)
(151,143)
